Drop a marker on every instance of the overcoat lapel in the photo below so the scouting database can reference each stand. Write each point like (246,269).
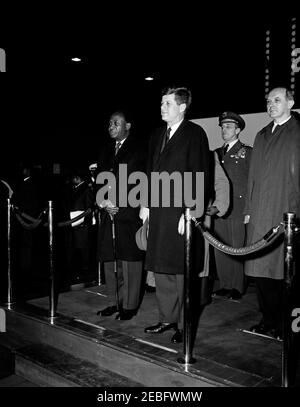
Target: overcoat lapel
(173,141)
(157,154)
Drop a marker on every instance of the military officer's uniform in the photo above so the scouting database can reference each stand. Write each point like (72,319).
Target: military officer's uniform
(230,228)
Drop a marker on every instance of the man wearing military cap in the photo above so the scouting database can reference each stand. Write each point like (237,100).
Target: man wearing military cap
(234,157)
(231,117)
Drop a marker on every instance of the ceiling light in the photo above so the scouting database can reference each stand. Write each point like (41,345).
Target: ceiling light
(76,59)
(149,78)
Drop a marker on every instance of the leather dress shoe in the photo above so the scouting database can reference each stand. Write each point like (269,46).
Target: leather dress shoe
(234,294)
(126,314)
(263,329)
(108,311)
(178,336)
(223,292)
(160,328)
(259,328)
(276,333)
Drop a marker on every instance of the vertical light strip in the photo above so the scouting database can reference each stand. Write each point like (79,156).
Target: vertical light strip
(267,62)
(293,46)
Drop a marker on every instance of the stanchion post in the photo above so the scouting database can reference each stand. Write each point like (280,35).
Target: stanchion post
(52,312)
(9,277)
(187,314)
(99,282)
(289,226)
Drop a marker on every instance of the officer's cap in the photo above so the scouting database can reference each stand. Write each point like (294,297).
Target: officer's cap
(231,117)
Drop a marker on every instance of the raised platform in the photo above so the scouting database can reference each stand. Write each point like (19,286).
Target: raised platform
(118,353)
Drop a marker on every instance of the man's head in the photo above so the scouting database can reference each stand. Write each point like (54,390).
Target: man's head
(174,104)
(79,175)
(93,168)
(279,104)
(119,127)
(231,125)
(76,179)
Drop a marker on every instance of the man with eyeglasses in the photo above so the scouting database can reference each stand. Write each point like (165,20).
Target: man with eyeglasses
(234,157)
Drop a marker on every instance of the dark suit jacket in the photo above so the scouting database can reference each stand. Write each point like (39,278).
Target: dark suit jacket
(81,199)
(27,197)
(187,151)
(127,220)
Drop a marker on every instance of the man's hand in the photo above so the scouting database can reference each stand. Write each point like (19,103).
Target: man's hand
(144,214)
(108,206)
(247,219)
(112,211)
(181,225)
(212,210)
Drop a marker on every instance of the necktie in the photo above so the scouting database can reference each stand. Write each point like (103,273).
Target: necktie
(166,138)
(168,132)
(275,128)
(117,147)
(225,149)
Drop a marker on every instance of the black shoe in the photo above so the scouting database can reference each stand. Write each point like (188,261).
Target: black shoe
(223,292)
(126,314)
(150,289)
(160,328)
(275,333)
(177,337)
(259,328)
(108,311)
(263,329)
(234,294)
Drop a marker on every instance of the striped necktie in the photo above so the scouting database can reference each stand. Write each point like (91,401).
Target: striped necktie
(117,147)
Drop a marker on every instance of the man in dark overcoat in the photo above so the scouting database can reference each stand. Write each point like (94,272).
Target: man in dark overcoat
(180,146)
(80,198)
(123,149)
(273,189)
(28,198)
(234,157)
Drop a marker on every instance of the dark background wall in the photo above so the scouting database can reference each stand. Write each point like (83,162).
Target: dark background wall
(56,111)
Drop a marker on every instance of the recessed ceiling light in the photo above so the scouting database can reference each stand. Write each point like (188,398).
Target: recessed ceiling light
(76,59)
(149,78)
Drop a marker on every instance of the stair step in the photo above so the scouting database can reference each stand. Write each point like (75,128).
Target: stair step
(48,366)
(135,359)
(16,381)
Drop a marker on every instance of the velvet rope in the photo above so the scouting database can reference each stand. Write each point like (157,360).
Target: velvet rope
(265,241)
